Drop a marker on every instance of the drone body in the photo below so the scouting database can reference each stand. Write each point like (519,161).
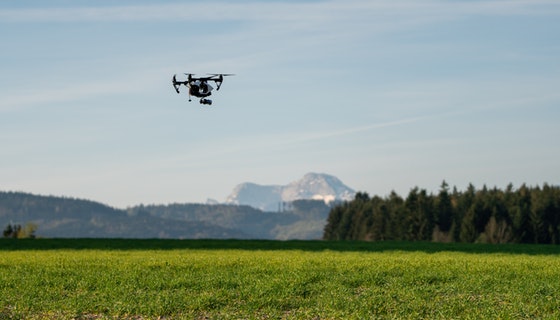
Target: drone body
(199,86)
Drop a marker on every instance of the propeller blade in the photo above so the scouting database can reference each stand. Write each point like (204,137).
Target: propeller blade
(175,83)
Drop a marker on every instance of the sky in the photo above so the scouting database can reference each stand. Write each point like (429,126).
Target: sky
(386,95)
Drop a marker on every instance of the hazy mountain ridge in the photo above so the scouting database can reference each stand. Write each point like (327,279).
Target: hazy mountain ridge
(58,217)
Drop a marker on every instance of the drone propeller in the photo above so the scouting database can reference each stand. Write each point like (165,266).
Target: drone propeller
(221,74)
(175,83)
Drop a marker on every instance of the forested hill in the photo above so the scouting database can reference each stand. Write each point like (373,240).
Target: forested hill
(76,218)
(523,215)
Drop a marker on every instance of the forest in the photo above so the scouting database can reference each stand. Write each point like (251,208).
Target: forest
(488,215)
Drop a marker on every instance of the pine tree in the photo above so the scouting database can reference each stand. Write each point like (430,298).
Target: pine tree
(444,208)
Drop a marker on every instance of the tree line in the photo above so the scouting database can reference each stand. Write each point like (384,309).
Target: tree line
(523,215)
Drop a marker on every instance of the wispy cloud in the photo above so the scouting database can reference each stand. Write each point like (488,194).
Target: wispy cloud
(226,147)
(267,11)
(321,135)
(60,94)
(72,90)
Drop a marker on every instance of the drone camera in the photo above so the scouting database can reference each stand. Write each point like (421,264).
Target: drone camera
(206,101)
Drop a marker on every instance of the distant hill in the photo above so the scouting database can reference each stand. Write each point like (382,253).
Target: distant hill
(76,218)
(301,219)
(313,186)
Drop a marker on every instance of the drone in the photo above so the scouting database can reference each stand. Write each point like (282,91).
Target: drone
(199,86)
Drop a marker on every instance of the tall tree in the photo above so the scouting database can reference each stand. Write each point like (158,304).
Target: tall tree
(444,208)
(331,231)
(420,222)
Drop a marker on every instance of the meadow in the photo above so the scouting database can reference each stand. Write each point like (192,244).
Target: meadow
(235,279)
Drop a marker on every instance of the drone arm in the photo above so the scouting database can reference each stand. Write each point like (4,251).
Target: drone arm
(177,84)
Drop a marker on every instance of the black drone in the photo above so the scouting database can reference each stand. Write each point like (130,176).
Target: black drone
(199,87)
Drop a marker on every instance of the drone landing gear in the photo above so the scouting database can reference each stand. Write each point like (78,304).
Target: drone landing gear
(206,101)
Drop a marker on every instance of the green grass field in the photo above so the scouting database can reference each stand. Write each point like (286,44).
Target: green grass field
(144,279)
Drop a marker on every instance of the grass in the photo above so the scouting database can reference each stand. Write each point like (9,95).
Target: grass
(88,278)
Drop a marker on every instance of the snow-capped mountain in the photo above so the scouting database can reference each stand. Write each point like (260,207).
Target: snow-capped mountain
(318,186)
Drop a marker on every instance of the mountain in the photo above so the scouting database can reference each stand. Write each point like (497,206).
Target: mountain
(318,186)
(315,186)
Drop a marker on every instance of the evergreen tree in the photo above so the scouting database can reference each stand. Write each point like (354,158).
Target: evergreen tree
(444,208)
(520,213)
(481,209)
(396,217)
(380,216)
(331,231)
(419,216)
(468,231)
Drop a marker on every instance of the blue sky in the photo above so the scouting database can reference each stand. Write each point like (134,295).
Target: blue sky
(386,95)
